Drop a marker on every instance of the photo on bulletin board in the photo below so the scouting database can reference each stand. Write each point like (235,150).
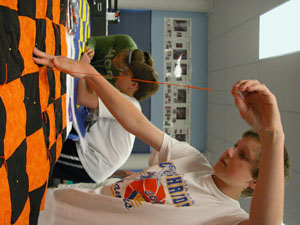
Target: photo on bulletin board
(180,137)
(181,96)
(181,113)
(180,25)
(179,52)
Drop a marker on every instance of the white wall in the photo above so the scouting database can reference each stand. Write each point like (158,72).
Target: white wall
(233,40)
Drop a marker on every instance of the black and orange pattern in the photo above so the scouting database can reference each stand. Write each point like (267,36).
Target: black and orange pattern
(32,105)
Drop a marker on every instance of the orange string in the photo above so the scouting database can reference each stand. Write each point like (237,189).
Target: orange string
(145,81)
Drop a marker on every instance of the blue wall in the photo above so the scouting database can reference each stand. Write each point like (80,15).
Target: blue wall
(199,71)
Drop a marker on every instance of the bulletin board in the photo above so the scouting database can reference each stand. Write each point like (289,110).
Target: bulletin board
(177,70)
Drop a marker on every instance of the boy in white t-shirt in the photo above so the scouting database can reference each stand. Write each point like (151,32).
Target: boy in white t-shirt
(178,174)
(106,145)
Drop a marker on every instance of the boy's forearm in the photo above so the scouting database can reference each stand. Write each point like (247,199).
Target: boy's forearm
(268,198)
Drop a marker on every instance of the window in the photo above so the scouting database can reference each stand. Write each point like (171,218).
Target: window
(280,30)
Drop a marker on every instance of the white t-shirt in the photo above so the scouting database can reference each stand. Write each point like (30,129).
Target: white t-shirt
(107,145)
(188,199)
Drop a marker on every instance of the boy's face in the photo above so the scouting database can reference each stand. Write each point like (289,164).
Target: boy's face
(236,163)
(124,82)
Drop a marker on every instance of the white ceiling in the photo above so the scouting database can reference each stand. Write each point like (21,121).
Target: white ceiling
(170,5)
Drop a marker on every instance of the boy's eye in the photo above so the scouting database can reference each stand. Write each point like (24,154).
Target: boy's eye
(242,155)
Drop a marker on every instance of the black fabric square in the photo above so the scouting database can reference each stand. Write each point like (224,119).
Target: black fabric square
(11,61)
(46,128)
(63,83)
(51,84)
(2,131)
(40,34)
(58,116)
(18,181)
(27,8)
(35,198)
(32,102)
(63,11)
(52,158)
(56,29)
(64,134)
(49,10)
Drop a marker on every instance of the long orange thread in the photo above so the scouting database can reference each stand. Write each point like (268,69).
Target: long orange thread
(145,81)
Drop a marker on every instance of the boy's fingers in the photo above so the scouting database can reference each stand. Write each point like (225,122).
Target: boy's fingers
(239,101)
(243,84)
(43,61)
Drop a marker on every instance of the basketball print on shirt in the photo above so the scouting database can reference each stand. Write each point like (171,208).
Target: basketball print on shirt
(148,190)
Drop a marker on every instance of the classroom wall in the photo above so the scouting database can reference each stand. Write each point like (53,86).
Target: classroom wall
(199,71)
(233,49)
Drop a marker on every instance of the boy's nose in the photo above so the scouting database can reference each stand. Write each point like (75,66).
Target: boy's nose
(230,152)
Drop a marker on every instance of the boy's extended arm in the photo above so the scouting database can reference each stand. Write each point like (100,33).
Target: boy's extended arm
(258,107)
(125,112)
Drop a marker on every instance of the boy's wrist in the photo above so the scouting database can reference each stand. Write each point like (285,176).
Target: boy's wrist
(272,135)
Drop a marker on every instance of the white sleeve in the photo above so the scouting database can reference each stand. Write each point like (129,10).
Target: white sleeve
(172,149)
(105,113)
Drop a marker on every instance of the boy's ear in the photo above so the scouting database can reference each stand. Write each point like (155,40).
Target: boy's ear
(252,184)
(134,84)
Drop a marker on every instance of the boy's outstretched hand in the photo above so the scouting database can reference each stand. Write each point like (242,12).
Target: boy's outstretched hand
(72,67)
(257,105)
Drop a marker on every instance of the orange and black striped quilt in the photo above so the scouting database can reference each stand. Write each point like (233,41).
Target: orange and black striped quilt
(32,105)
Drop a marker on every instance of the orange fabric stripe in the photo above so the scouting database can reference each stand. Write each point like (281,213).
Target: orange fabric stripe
(12,4)
(41,9)
(27,42)
(44,88)
(56,11)
(37,153)
(50,38)
(12,95)
(5,204)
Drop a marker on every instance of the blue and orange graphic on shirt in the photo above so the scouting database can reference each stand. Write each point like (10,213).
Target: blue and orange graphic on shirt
(148,190)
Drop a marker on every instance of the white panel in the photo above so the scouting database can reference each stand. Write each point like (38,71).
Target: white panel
(243,43)
(169,5)
(239,11)
(282,76)
(217,21)
(244,72)
(217,54)
(235,126)
(215,120)
(279,30)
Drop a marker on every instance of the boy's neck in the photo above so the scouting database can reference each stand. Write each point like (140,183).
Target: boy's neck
(226,189)
(128,92)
